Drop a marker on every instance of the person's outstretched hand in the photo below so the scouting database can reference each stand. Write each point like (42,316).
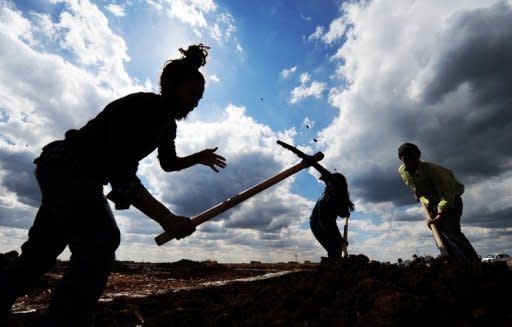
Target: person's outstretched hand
(178,226)
(208,157)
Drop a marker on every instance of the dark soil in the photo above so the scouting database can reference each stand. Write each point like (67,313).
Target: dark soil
(354,292)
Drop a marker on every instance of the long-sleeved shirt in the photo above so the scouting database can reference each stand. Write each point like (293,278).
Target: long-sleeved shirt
(109,147)
(432,182)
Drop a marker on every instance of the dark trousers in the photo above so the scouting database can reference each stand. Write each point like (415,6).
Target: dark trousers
(328,235)
(458,246)
(73,213)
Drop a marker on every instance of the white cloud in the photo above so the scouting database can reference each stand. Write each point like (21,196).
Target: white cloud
(213,78)
(115,9)
(317,34)
(336,30)
(191,12)
(203,16)
(239,48)
(224,27)
(314,89)
(288,71)
(14,25)
(42,94)
(87,34)
(308,122)
(155,3)
(304,78)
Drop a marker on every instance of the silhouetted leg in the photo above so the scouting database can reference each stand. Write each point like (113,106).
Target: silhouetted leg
(45,242)
(334,240)
(457,244)
(318,233)
(94,238)
(461,239)
(329,236)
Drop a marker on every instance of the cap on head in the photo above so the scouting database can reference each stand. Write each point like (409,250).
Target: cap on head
(407,149)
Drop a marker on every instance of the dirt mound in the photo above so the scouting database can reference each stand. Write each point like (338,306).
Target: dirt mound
(355,292)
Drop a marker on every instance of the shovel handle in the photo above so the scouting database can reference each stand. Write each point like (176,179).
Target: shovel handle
(437,236)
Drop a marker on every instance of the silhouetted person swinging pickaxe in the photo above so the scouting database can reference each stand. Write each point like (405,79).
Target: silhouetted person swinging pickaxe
(335,201)
(71,174)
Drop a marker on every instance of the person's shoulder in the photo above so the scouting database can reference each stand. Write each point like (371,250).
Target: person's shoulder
(432,165)
(135,101)
(134,97)
(148,96)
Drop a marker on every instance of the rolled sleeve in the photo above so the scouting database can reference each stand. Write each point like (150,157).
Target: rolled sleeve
(447,187)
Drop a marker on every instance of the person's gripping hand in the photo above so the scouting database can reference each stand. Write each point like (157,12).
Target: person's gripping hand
(178,226)
(434,221)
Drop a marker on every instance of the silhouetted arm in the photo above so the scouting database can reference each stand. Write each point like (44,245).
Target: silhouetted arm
(207,157)
(323,172)
(169,160)
(177,226)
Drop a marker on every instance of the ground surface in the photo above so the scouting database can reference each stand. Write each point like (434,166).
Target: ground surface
(355,292)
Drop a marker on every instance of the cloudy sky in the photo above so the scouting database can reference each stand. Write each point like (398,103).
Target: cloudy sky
(352,79)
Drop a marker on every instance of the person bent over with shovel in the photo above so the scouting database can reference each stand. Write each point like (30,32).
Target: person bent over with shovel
(71,174)
(440,192)
(335,202)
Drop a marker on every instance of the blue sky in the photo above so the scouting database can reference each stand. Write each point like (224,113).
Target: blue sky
(359,77)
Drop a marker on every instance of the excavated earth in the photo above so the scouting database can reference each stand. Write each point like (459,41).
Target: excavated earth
(354,292)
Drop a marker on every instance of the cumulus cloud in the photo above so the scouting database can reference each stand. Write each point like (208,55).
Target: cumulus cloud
(304,90)
(202,16)
(336,30)
(42,94)
(314,89)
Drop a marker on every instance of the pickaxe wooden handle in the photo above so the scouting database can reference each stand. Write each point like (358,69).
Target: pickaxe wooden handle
(233,201)
(344,250)
(435,232)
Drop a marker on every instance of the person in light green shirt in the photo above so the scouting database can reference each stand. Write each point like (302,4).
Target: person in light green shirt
(438,189)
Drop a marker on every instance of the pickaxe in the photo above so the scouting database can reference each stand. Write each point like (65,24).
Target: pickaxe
(231,202)
(324,175)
